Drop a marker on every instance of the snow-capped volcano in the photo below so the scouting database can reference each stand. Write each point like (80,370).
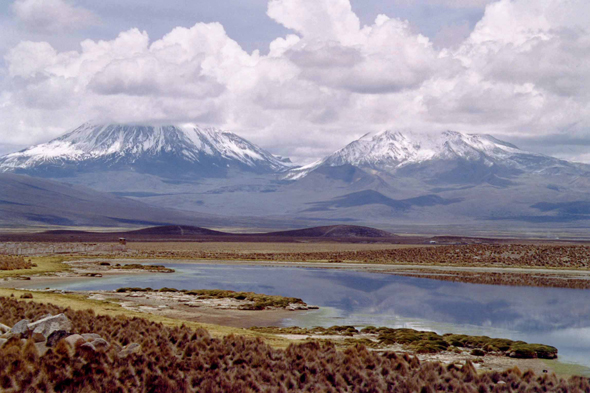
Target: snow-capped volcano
(168,150)
(394,152)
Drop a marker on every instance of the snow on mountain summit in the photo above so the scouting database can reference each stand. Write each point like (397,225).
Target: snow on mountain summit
(391,151)
(113,146)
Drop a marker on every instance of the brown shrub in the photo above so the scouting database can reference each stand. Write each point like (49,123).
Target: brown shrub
(14,262)
(178,359)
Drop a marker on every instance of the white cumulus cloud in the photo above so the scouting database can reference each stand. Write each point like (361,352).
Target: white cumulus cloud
(521,72)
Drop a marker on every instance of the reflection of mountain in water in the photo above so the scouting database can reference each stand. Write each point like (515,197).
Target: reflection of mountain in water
(546,315)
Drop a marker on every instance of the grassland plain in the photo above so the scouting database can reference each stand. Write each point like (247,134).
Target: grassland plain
(38,266)
(482,255)
(181,358)
(543,265)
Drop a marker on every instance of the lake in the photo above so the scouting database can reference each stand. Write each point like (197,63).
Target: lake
(554,316)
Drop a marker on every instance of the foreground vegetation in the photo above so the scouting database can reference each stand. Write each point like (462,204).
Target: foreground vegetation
(428,342)
(36,265)
(183,359)
(14,262)
(147,268)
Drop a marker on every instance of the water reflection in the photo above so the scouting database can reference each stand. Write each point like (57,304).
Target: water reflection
(559,317)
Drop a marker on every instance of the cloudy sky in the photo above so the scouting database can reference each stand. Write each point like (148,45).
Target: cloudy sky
(301,77)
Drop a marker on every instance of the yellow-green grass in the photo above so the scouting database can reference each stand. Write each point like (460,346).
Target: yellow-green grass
(45,265)
(105,307)
(567,369)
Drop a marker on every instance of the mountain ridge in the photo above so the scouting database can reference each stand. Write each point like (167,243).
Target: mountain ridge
(395,152)
(162,150)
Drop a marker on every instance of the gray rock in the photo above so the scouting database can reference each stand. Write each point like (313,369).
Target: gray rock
(2,341)
(88,346)
(74,340)
(21,327)
(50,324)
(56,336)
(129,349)
(4,328)
(90,336)
(100,343)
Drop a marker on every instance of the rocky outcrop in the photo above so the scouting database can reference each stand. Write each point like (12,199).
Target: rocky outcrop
(20,327)
(50,324)
(48,331)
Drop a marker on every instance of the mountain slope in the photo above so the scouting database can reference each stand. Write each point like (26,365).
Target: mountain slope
(27,201)
(166,151)
(451,157)
(335,231)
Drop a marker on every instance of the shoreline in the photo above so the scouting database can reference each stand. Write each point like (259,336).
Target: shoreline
(512,276)
(240,319)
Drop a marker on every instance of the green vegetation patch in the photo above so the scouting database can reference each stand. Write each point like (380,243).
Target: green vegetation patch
(260,301)
(428,342)
(149,268)
(316,331)
(36,266)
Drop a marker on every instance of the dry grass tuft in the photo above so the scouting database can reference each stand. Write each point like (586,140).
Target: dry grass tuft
(185,360)
(14,262)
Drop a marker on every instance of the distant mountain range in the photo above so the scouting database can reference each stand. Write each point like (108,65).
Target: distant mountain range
(386,179)
(336,233)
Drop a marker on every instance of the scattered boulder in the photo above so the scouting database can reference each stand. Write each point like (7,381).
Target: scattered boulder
(100,343)
(75,340)
(50,324)
(129,349)
(57,335)
(20,327)
(88,347)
